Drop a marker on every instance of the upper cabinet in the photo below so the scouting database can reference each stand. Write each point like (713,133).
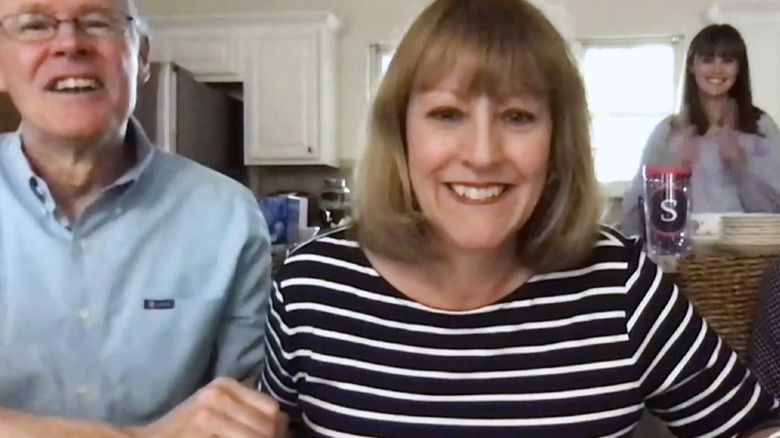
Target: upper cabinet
(214,56)
(287,65)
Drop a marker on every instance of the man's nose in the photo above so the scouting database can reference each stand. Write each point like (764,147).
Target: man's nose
(70,41)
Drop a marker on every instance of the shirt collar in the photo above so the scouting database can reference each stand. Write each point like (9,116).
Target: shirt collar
(144,153)
(135,136)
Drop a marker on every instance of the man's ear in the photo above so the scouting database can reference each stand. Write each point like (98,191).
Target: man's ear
(143,62)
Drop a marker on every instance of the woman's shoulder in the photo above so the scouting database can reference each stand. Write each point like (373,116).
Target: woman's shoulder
(333,255)
(338,243)
(660,133)
(610,263)
(766,124)
(613,253)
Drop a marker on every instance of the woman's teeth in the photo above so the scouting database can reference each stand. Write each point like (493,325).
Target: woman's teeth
(477,193)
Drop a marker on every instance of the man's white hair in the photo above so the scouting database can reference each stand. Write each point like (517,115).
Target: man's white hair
(138,19)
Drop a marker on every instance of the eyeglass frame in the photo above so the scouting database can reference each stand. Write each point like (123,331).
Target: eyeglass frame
(127,21)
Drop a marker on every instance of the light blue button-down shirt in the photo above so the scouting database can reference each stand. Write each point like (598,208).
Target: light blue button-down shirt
(160,286)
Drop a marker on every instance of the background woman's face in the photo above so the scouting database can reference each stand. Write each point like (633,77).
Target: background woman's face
(715,75)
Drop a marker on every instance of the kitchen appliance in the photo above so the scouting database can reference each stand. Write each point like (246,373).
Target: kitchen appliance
(9,116)
(196,120)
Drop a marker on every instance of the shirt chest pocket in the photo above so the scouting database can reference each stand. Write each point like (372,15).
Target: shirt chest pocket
(164,349)
(169,329)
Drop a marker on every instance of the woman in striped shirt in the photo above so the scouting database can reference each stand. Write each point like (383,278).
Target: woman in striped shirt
(476,294)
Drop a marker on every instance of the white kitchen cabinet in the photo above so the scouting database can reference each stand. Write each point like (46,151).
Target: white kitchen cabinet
(287,65)
(292,97)
(214,55)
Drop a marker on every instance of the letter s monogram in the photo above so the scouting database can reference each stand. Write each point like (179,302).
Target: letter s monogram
(669,206)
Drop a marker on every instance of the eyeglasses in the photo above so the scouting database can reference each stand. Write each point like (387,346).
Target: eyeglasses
(34,27)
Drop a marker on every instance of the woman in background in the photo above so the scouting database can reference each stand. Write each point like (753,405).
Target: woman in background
(732,147)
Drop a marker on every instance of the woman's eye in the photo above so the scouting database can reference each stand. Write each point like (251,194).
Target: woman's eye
(518,117)
(446,114)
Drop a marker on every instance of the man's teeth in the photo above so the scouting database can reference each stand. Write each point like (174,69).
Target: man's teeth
(76,84)
(477,193)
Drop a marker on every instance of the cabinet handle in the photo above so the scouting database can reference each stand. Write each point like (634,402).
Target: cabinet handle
(311,151)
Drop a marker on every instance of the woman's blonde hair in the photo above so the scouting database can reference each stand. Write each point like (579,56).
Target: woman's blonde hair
(509,46)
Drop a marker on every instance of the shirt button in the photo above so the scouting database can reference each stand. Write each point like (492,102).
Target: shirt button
(82,391)
(84,245)
(119,211)
(84,315)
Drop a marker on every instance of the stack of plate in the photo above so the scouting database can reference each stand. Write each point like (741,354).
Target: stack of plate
(751,232)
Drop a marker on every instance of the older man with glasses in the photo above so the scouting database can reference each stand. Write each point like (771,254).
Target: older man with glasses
(129,278)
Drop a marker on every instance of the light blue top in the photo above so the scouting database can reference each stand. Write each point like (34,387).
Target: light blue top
(714,187)
(161,285)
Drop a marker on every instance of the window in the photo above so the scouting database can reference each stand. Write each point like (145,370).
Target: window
(631,86)
(379,59)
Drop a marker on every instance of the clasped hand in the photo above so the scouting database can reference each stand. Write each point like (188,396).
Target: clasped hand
(223,409)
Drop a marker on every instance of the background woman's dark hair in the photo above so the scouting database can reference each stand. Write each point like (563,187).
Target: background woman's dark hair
(720,40)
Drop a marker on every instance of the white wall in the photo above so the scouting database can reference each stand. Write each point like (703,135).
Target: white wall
(380,21)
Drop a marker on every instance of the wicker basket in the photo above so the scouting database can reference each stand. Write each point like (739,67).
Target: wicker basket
(724,290)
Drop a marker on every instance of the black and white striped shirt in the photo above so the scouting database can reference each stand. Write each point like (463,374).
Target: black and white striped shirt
(576,353)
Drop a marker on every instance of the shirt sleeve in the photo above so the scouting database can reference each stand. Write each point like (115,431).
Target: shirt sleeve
(630,222)
(765,348)
(278,377)
(759,183)
(688,376)
(241,335)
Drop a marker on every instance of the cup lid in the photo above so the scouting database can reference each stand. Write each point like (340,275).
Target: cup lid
(658,171)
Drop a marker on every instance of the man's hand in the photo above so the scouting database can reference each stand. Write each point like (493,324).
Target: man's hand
(223,409)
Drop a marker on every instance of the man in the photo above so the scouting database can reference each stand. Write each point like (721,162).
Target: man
(129,278)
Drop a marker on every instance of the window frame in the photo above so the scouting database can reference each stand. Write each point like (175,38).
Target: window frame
(375,54)
(615,189)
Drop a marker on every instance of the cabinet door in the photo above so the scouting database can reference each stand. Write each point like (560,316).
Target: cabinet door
(213,55)
(282,98)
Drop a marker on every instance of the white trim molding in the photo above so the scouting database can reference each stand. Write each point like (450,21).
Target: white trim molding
(330,21)
(560,17)
(742,12)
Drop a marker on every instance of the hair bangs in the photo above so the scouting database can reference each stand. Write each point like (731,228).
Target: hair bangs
(718,41)
(494,60)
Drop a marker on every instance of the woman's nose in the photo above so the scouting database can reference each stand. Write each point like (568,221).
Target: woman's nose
(485,148)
